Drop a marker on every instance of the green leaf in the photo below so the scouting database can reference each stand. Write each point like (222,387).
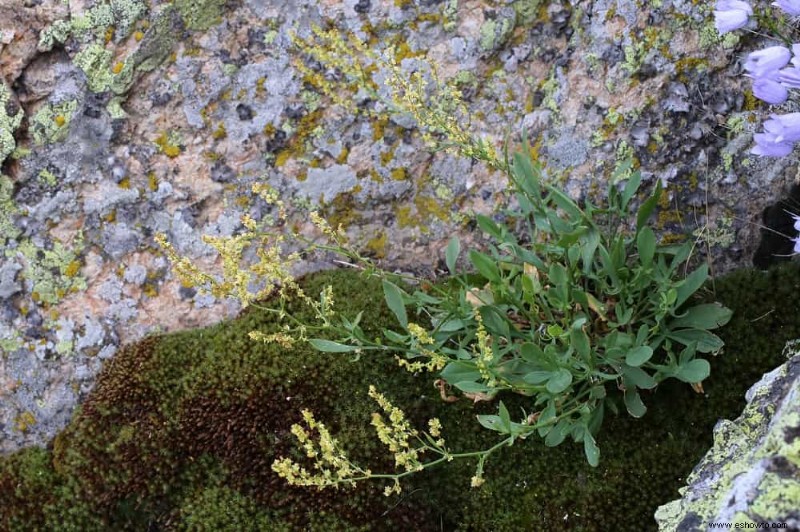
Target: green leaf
(641,334)
(394,299)
(451,326)
(588,248)
(460,370)
(505,418)
(559,381)
(527,175)
(706,342)
(451,254)
(532,353)
(695,371)
(566,203)
(491,422)
(489,227)
(580,341)
(638,355)
(328,346)
(472,387)
(558,433)
(557,274)
(598,392)
(639,377)
(485,265)
(537,377)
(548,413)
(590,449)
(647,208)
(631,186)
(690,285)
(596,421)
(706,316)
(646,244)
(495,322)
(395,337)
(634,404)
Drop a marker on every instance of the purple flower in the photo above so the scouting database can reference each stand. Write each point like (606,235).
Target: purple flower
(790,6)
(786,128)
(731,15)
(767,147)
(780,132)
(790,77)
(770,90)
(767,60)
(796,239)
(796,222)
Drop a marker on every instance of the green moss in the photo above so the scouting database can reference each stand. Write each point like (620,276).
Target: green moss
(182,426)
(223,509)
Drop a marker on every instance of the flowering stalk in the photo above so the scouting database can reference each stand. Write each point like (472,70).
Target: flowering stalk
(333,468)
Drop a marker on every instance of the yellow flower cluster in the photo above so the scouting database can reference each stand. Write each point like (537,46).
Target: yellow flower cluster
(420,334)
(336,236)
(185,269)
(484,354)
(271,196)
(438,111)
(281,338)
(396,434)
(436,361)
(332,465)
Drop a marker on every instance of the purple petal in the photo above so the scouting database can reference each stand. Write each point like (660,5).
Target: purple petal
(790,127)
(790,77)
(731,15)
(762,62)
(726,21)
(792,7)
(770,91)
(796,222)
(765,146)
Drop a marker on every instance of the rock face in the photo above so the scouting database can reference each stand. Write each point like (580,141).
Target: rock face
(752,473)
(120,119)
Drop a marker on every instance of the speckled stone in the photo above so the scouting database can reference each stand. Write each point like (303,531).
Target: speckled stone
(752,472)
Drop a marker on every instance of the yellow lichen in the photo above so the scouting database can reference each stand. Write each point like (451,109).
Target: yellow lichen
(72,268)
(167,147)
(399,174)
(220,133)
(24,421)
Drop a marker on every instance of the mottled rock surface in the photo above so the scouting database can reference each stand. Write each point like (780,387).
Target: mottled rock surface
(120,119)
(752,473)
